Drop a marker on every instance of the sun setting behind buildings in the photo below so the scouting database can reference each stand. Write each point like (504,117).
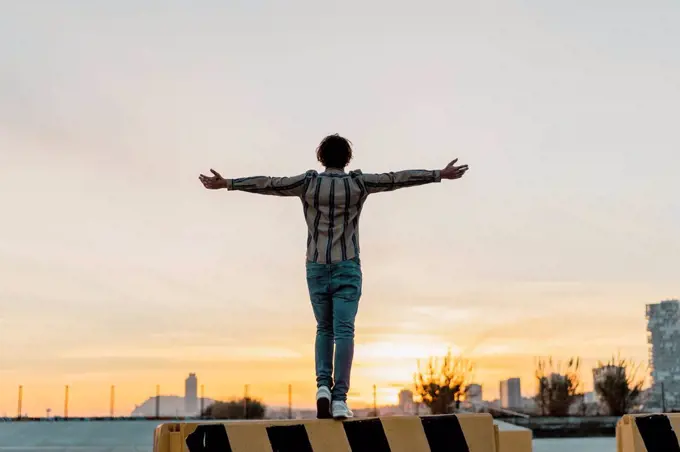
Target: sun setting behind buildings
(389,363)
(383,358)
(119,269)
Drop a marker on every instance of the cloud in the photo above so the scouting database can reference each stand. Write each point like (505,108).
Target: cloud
(447,315)
(182,353)
(403,349)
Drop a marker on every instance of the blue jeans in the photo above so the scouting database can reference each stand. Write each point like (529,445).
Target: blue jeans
(334,290)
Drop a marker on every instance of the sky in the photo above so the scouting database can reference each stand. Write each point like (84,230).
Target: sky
(118,267)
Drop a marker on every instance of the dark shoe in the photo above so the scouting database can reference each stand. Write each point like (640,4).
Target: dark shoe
(323,403)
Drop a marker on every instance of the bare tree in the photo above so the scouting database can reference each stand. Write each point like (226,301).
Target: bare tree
(618,386)
(558,389)
(442,383)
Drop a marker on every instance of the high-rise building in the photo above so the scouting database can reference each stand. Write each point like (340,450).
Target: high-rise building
(473,393)
(406,404)
(191,395)
(511,393)
(663,336)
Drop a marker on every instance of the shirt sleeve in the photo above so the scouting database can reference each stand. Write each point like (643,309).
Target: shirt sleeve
(276,186)
(380,182)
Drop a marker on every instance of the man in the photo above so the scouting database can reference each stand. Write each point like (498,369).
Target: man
(332,203)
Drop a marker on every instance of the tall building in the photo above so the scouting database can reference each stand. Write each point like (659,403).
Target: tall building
(473,393)
(511,393)
(191,395)
(406,404)
(663,336)
(174,405)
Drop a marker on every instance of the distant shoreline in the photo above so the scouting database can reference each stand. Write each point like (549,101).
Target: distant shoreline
(101,418)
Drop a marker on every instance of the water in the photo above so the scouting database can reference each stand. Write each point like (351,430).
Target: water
(137,436)
(575,444)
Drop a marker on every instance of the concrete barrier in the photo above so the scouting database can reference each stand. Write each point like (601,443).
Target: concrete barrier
(511,438)
(648,433)
(463,433)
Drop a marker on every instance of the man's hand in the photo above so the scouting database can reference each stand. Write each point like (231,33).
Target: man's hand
(453,172)
(213,183)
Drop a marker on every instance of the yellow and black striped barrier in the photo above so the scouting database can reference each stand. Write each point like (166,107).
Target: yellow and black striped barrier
(462,433)
(511,438)
(648,433)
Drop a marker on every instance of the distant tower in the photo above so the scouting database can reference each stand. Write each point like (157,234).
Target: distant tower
(406,401)
(663,336)
(511,393)
(473,393)
(191,395)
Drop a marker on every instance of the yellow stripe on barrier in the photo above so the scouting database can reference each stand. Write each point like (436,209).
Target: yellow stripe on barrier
(464,433)
(648,433)
(328,436)
(511,438)
(167,438)
(405,433)
(476,428)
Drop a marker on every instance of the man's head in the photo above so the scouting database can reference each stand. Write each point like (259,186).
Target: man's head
(334,151)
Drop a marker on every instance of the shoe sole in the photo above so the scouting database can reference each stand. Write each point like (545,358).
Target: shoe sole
(323,408)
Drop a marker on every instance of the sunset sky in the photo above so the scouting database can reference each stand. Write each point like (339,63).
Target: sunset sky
(118,267)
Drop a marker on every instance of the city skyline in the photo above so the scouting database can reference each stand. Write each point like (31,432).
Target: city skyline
(510,396)
(119,268)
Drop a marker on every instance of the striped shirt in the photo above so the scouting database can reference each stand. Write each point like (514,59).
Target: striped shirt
(332,203)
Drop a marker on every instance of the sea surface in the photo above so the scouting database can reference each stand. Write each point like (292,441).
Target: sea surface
(137,436)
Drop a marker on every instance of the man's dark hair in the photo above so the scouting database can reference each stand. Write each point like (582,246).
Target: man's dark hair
(334,151)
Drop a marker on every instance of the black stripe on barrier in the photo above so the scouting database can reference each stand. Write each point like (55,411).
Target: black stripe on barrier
(289,438)
(366,436)
(444,433)
(209,438)
(657,433)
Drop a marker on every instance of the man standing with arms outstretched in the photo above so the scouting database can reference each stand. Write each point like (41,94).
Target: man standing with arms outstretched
(332,203)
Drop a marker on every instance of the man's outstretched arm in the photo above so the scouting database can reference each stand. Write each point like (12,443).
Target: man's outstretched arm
(410,178)
(265,185)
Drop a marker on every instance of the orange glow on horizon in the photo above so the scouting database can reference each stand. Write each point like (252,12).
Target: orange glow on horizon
(389,364)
